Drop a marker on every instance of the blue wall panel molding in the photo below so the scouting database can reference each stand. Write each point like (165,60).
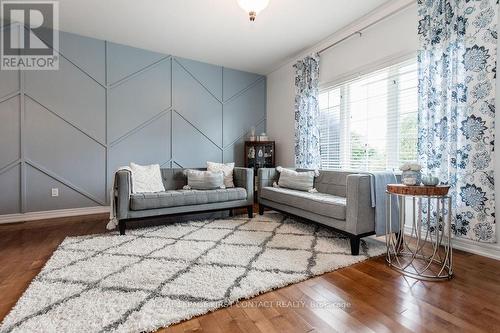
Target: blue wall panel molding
(110,105)
(10,121)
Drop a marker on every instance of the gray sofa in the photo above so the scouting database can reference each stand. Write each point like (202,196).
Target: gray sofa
(175,201)
(343,202)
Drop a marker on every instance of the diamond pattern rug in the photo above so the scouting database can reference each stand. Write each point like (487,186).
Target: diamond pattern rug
(154,277)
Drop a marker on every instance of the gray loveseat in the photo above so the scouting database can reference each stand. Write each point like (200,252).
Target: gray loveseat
(343,202)
(175,201)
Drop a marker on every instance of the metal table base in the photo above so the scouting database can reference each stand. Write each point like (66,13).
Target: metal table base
(423,250)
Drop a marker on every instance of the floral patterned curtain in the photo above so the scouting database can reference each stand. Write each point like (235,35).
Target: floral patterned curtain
(457,71)
(307,153)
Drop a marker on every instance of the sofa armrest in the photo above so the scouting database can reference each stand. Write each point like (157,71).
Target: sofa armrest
(123,187)
(266,177)
(360,215)
(243,177)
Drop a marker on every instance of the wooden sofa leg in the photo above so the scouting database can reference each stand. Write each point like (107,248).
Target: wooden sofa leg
(355,245)
(250,211)
(261,209)
(121,226)
(231,213)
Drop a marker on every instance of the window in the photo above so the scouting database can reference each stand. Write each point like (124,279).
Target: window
(370,123)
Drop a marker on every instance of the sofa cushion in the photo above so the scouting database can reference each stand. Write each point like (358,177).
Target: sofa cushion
(204,180)
(142,201)
(319,203)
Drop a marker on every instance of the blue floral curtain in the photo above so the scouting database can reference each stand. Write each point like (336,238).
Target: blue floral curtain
(457,71)
(307,153)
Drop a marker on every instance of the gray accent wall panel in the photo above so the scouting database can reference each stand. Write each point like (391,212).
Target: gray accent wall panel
(10,194)
(71,94)
(236,81)
(86,53)
(125,60)
(10,144)
(244,111)
(236,151)
(110,105)
(76,158)
(38,192)
(148,145)
(191,149)
(210,76)
(139,99)
(204,111)
(9,83)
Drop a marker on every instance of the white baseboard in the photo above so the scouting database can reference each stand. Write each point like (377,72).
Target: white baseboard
(490,250)
(51,214)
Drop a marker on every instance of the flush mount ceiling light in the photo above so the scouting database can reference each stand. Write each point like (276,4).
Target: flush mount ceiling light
(253,7)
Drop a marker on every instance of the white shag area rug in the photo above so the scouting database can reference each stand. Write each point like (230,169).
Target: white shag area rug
(154,277)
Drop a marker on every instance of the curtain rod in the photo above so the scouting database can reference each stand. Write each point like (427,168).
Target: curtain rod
(360,32)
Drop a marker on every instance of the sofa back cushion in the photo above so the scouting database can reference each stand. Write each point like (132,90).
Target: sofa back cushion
(331,181)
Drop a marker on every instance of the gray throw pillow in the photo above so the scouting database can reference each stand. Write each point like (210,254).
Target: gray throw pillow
(302,181)
(204,180)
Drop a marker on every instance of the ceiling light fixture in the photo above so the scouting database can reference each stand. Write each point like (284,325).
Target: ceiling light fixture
(253,7)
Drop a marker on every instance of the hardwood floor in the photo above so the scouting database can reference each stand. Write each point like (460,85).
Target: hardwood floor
(364,297)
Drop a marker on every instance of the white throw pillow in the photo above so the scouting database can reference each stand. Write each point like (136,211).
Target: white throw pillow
(302,181)
(227,169)
(146,178)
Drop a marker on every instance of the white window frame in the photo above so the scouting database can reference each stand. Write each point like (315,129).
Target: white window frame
(393,133)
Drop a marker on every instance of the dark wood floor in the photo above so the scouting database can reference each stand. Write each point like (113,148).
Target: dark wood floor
(369,295)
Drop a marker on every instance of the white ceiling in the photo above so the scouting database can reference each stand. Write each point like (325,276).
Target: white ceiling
(214,31)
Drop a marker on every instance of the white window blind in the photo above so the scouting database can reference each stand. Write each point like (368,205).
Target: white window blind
(370,123)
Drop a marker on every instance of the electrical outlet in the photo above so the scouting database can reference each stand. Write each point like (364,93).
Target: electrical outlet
(55,192)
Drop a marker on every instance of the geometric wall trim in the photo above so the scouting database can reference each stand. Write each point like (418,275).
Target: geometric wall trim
(209,76)
(72,95)
(39,186)
(234,153)
(70,45)
(9,83)
(139,99)
(196,149)
(10,195)
(236,81)
(204,112)
(10,145)
(78,159)
(155,135)
(125,60)
(109,105)
(244,111)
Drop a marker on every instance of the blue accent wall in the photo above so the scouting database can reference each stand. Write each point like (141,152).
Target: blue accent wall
(109,105)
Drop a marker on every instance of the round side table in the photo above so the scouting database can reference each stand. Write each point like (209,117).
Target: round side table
(422,247)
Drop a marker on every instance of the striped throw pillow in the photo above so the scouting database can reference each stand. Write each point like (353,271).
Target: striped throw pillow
(204,180)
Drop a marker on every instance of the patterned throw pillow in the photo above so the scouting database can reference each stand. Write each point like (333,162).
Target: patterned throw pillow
(302,181)
(146,178)
(227,169)
(203,180)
